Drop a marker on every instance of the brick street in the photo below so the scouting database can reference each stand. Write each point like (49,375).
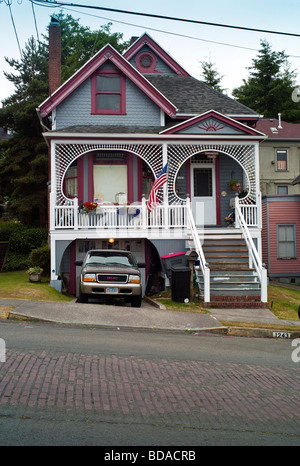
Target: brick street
(129,388)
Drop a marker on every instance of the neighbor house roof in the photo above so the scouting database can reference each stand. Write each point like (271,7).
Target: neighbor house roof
(271,127)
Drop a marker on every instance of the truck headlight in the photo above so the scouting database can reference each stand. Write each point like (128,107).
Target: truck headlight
(89,277)
(134,279)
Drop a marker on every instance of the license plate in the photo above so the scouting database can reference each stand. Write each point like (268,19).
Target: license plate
(112,290)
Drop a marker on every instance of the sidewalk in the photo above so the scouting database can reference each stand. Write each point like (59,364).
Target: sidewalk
(149,316)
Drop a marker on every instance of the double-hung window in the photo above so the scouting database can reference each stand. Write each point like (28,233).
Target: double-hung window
(108,93)
(281,160)
(286,241)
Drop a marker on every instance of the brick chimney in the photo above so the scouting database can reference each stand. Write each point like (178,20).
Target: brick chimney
(54,55)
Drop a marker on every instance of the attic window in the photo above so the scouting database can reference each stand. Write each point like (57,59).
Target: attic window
(146,62)
(108,93)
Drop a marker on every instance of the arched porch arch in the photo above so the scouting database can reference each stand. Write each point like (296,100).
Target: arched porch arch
(66,154)
(244,155)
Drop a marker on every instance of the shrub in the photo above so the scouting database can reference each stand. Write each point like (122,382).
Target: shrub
(40,257)
(16,261)
(25,240)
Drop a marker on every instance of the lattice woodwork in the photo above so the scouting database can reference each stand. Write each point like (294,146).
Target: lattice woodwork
(65,154)
(152,154)
(243,154)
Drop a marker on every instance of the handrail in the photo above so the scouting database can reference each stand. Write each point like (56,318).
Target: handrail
(203,264)
(253,253)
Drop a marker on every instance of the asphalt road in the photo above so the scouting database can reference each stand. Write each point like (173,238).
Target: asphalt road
(84,385)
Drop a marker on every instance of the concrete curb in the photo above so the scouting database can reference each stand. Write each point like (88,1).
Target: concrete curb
(223,330)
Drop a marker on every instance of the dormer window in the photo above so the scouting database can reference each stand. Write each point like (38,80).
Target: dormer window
(108,93)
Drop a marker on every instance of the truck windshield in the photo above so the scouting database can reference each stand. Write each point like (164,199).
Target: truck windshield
(111,259)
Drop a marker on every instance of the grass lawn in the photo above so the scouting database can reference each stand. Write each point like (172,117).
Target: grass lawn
(284,302)
(16,285)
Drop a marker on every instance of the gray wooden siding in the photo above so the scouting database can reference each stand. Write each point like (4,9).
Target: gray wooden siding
(161,66)
(76,109)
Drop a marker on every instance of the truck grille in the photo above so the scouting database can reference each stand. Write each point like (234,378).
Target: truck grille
(111,278)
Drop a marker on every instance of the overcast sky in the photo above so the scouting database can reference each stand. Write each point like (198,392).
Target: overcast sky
(232,50)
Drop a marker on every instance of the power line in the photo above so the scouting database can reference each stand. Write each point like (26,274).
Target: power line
(151,15)
(8,3)
(36,28)
(157,30)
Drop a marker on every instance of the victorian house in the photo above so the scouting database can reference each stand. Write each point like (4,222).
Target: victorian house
(111,129)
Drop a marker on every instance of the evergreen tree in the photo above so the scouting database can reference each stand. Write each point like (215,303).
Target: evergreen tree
(270,85)
(211,76)
(24,157)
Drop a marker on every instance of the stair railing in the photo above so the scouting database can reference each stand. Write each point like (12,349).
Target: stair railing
(198,247)
(253,253)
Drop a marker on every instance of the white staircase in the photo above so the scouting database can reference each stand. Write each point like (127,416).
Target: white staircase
(232,282)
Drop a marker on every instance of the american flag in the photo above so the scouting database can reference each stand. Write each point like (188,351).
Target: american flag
(160,180)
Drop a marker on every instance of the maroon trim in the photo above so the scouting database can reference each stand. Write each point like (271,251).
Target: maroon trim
(149,69)
(73,268)
(140,177)
(211,114)
(129,179)
(122,93)
(80,177)
(107,53)
(147,40)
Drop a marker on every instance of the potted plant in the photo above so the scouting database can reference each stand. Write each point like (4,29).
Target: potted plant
(35,274)
(89,207)
(234,185)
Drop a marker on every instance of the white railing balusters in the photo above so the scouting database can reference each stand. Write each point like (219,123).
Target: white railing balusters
(254,258)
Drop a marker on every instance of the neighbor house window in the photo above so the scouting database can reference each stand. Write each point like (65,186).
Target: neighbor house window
(108,93)
(282,190)
(286,241)
(281,160)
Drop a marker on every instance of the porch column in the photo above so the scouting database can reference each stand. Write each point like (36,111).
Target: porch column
(54,275)
(257,175)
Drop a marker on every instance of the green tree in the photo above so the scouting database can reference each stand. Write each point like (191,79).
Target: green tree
(211,76)
(24,157)
(269,87)
(79,43)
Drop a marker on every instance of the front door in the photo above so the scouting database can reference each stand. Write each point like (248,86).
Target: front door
(203,187)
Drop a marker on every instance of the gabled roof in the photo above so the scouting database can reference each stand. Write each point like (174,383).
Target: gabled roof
(145,39)
(107,53)
(274,130)
(212,122)
(192,96)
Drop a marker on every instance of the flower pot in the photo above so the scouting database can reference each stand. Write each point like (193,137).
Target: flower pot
(35,277)
(233,187)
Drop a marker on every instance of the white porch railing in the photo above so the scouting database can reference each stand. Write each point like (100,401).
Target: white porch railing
(198,247)
(133,216)
(254,258)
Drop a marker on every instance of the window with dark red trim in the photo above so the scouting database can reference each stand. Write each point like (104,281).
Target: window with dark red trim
(108,93)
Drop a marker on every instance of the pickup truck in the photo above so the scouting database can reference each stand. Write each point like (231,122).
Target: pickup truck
(111,274)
